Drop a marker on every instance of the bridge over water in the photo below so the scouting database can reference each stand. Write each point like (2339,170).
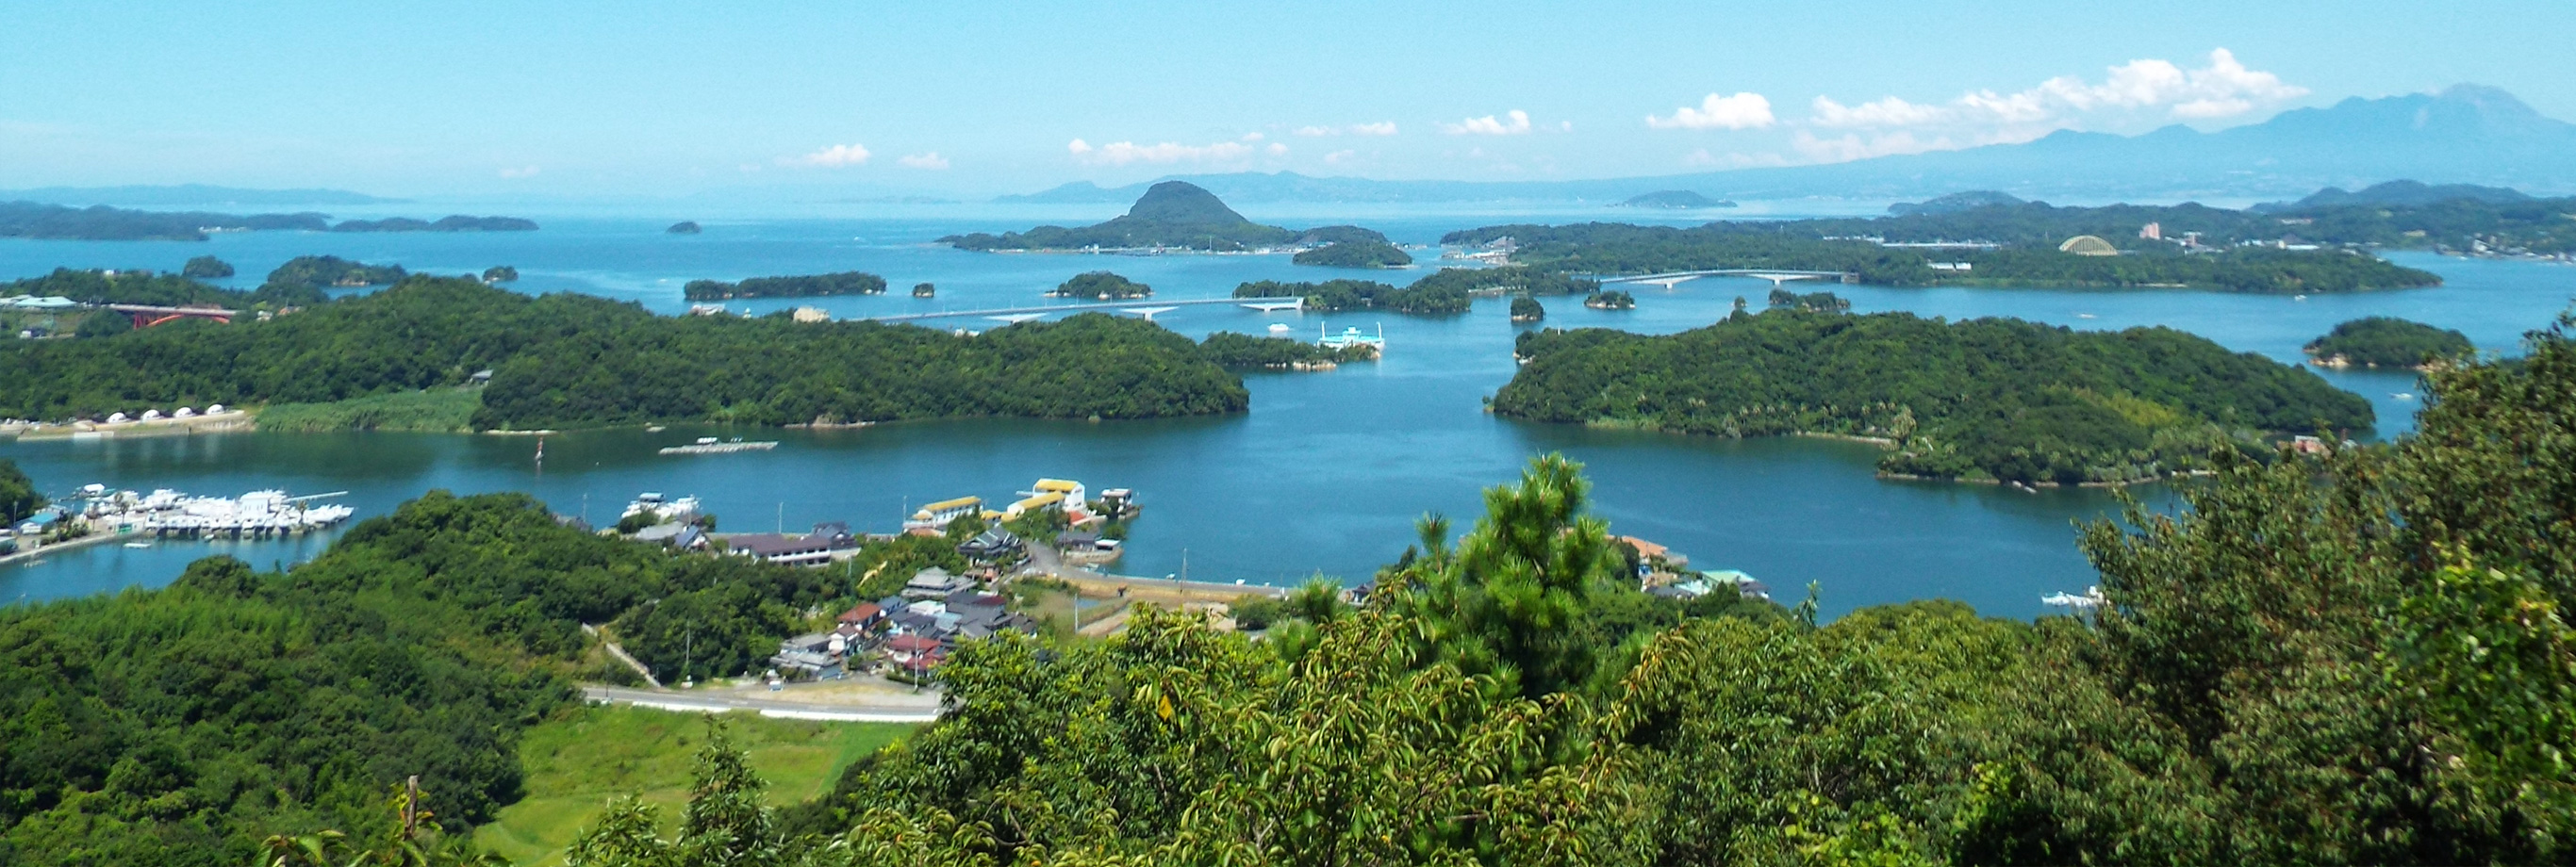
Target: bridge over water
(1145,309)
(1777,276)
(146,315)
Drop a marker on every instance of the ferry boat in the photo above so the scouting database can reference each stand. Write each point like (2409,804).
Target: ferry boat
(1350,337)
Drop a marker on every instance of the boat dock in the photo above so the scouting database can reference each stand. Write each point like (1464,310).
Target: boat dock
(709,446)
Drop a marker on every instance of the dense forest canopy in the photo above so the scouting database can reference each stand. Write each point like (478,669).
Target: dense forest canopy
(569,360)
(1332,296)
(18,495)
(2383,341)
(1506,280)
(807,286)
(182,726)
(1354,254)
(1836,245)
(1978,399)
(160,290)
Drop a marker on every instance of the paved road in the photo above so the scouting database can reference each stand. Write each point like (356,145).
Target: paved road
(785,708)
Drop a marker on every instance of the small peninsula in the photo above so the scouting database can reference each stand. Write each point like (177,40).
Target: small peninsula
(2384,341)
(804,286)
(1977,400)
(1355,254)
(1101,285)
(1172,215)
(1673,200)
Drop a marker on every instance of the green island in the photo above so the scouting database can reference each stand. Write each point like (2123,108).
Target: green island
(2030,257)
(1354,254)
(1333,296)
(1979,400)
(333,271)
(2354,656)
(2383,341)
(103,223)
(1610,299)
(1230,349)
(1527,309)
(567,360)
(1170,215)
(451,223)
(684,227)
(1100,285)
(924,290)
(1812,302)
(206,268)
(806,286)
(500,274)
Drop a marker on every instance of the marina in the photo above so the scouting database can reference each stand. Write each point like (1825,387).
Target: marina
(254,515)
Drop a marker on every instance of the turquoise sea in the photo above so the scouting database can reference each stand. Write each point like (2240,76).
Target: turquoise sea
(1326,473)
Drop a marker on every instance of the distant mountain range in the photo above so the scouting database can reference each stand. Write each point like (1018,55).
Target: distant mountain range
(2467,134)
(188,194)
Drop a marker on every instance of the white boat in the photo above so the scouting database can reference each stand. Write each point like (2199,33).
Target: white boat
(1278,328)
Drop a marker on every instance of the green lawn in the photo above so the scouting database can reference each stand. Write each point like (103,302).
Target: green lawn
(438,410)
(578,761)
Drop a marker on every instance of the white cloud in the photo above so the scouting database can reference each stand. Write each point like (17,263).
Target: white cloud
(1744,110)
(1124,153)
(1251,136)
(1852,146)
(834,157)
(520,172)
(1277,150)
(1514,122)
(930,160)
(1383,127)
(2138,92)
(1340,156)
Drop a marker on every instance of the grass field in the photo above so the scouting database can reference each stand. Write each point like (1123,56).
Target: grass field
(578,761)
(441,410)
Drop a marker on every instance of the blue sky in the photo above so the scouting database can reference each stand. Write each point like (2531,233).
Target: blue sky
(562,99)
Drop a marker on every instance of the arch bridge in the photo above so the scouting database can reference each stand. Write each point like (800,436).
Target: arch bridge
(147,315)
(1777,276)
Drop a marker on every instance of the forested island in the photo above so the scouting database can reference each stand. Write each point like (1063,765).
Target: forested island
(1837,245)
(1100,285)
(1170,215)
(1333,296)
(807,286)
(2355,657)
(568,360)
(1979,400)
(104,223)
(1674,199)
(1354,254)
(451,223)
(684,227)
(2382,341)
(1610,299)
(333,271)
(206,268)
(1527,309)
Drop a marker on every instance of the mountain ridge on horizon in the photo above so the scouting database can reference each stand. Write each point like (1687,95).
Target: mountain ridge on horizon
(2463,134)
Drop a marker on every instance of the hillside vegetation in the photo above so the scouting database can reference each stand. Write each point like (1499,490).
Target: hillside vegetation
(1979,399)
(568,360)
